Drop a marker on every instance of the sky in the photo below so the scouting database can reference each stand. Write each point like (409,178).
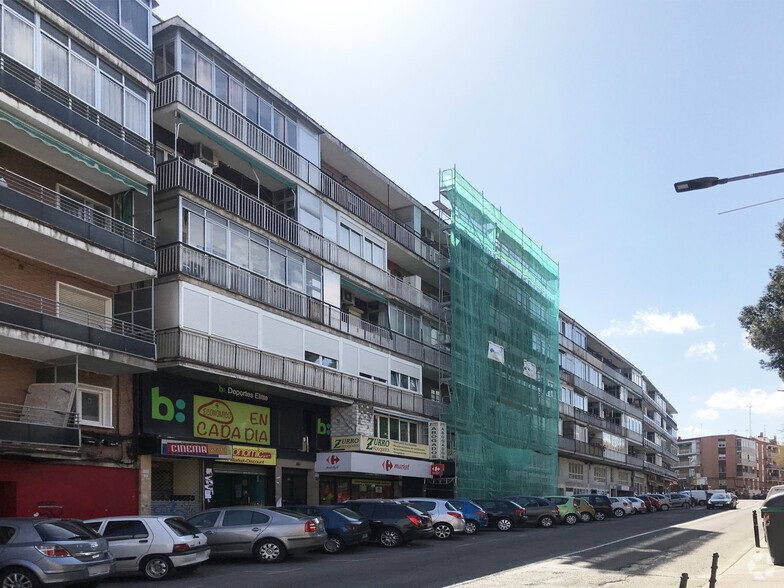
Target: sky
(576,119)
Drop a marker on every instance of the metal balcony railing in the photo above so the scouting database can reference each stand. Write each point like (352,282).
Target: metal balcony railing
(70,206)
(662,471)
(180,174)
(177,88)
(47,306)
(40,426)
(181,345)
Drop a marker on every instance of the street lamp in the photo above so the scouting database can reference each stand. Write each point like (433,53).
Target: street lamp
(701,183)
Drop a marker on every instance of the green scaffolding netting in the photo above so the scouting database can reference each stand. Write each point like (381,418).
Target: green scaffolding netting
(504,291)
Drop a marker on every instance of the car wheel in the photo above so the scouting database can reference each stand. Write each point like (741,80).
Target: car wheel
(18,578)
(599,516)
(442,530)
(503,524)
(391,537)
(156,567)
(334,544)
(546,522)
(665,507)
(471,527)
(586,517)
(618,512)
(269,551)
(570,519)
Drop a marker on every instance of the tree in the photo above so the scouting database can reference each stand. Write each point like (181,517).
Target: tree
(764,321)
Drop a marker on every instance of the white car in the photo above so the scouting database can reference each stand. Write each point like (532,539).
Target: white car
(152,545)
(638,505)
(621,506)
(447,518)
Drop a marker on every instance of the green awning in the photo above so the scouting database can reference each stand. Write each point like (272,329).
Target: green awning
(77,155)
(207,133)
(363,291)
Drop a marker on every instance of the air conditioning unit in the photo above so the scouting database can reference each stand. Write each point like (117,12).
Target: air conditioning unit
(445,339)
(347,297)
(205,155)
(415,281)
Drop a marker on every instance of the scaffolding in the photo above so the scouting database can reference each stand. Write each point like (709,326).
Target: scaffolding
(504,386)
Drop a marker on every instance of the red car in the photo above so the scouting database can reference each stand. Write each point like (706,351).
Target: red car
(654,502)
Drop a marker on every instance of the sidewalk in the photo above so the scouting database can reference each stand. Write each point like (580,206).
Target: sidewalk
(755,567)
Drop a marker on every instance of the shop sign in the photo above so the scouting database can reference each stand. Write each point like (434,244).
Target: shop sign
(378,445)
(231,421)
(437,469)
(357,482)
(368,463)
(254,455)
(190,449)
(437,439)
(347,443)
(239,393)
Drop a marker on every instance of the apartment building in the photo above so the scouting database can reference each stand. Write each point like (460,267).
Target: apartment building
(770,458)
(298,293)
(77,255)
(616,430)
(727,462)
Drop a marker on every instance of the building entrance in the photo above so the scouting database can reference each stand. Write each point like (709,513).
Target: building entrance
(237,489)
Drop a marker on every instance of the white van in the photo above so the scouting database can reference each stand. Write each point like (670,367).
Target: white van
(699,497)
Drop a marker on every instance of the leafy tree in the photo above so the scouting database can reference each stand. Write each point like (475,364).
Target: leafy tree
(764,321)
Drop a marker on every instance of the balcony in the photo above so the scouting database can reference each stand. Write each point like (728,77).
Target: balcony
(128,254)
(659,470)
(598,422)
(25,425)
(212,270)
(178,347)
(42,94)
(92,334)
(579,447)
(179,89)
(179,174)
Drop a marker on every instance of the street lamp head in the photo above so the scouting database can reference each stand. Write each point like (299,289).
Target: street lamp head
(697,184)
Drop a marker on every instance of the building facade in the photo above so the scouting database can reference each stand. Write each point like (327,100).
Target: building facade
(616,430)
(77,255)
(726,462)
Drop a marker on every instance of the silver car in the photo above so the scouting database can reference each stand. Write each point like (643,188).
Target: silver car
(447,518)
(152,545)
(268,535)
(51,551)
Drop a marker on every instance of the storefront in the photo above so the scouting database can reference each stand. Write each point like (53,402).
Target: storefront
(374,472)
(205,444)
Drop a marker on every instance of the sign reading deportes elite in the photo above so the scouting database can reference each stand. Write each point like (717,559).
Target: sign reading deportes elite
(378,445)
(367,463)
(231,421)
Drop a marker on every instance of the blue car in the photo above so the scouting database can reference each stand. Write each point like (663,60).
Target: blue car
(474,515)
(344,526)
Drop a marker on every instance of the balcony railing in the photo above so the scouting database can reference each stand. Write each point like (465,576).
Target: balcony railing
(178,173)
(659,470)
(182,259)
(46,306)
(39,426)
(181,345)
(599,422)
(177,88)
(70,206)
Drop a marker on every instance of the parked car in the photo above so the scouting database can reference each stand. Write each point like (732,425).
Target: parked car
(345,528)
(759,496)
(679,500)
(268,535)
(152,545)
(657,503)
(601,504)
(572,509)
(503,514)
(622,506)
(722,500)
(639,506)
(391,522)
(474,515)
(447,518)
(539,511)
(664,501)
(647,502)
(51,551)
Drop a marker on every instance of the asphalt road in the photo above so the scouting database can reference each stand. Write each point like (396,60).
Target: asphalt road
(652,548)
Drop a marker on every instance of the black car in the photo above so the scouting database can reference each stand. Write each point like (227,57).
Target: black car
(344,526)
(392,523)
(539,511)
(722,500)
(600,503)
(503,514)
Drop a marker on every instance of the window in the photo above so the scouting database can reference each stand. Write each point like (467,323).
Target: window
(404,322)
(576,471)
(600,474)
(388,427)
(321,360)
(94,405)
(404,381)
(19,35)
(130,529)
(83,306)
(132,15)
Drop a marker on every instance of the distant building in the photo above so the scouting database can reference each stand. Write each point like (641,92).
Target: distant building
(727,462)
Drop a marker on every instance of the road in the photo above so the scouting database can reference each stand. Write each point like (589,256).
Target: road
(644,550)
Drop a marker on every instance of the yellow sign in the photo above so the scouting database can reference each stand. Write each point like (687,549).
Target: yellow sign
(371,482)
(378,445)
(230,421)
(254,455)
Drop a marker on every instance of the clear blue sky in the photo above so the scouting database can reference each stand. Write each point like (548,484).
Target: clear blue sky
(575,118)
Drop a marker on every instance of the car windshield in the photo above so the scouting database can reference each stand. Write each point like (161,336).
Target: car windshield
(720,496)
(348,513)
(65,531)
(181,526)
